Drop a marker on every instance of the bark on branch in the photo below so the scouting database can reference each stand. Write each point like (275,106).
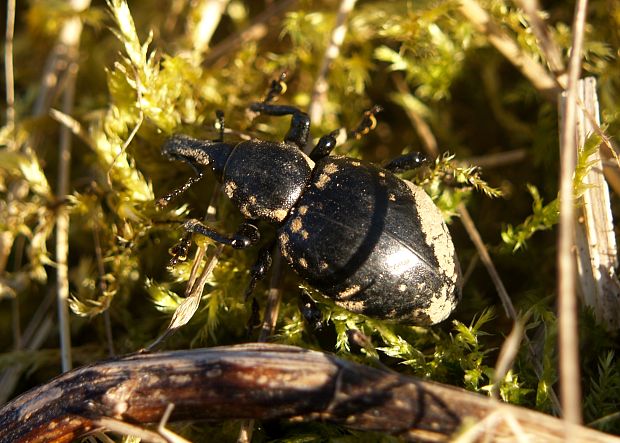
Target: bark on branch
(262,381)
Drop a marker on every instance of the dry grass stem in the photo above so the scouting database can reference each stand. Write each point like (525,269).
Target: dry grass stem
(6,239)
(547,45)
(8,65)
(422,128)
(273,299)
(507,354)
(568,336)
(69,39)
(170,436)
(484,430)
(37,331)
(129,139)
(499,159)
(76,128)
(124,428)
(255,31)
(319,91)
(209,16)
(188,307)
(483,252)
(530,68)
(101,286)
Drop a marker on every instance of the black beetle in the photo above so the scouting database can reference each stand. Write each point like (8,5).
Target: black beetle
(371,241)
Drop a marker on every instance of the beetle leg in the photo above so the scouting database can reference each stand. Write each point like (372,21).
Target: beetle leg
(180,250)
(406,162)
(246,235)
(310,311)
(325,146)
(219,125)
(368,123)
(300,122)
(260,268)
(277,88)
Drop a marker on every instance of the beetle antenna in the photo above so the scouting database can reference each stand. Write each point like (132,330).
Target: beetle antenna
(368,123)
(180,190)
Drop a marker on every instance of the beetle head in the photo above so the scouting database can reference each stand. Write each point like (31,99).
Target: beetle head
(197,153)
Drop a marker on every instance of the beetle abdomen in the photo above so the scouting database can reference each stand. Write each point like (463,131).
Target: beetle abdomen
(374,243)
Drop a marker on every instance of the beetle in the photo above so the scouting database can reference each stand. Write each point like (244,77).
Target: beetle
(374,243)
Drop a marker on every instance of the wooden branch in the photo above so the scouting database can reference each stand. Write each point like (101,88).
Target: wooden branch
(595,240)
(265,381)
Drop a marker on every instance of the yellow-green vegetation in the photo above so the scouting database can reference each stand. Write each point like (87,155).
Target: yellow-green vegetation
(147,70)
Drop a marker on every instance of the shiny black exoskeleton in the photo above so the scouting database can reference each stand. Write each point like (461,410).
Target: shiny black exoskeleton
(373,242)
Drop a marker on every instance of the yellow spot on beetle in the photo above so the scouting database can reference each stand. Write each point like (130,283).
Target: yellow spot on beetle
(229,188)
(349,292)
(284,239)
(279,214)
(330,168)
(296,224)
(322,181)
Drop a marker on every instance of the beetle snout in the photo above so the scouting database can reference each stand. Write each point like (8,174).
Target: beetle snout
(174,146)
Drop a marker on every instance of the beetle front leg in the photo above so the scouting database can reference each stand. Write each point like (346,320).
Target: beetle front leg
(300,122)
(406,162)
(246,235)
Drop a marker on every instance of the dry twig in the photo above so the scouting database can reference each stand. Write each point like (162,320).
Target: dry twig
(595,237)
(263,381)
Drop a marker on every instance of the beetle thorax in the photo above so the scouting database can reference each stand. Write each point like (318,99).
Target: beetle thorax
(265,179)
